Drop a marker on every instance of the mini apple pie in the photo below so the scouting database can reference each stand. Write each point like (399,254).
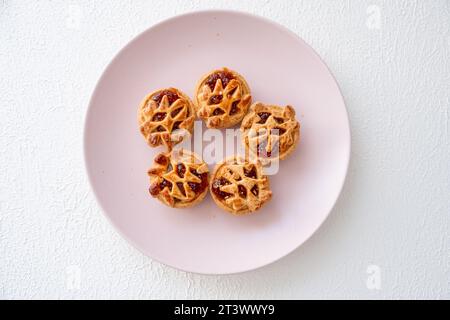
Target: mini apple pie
(239,187)
(270,132)
(222,98)
(179,178)
(163,115)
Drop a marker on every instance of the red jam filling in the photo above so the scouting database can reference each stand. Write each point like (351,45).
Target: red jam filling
(181,188)
(255,190)
(279,120)
(242,191)
(251,173)
(181,170)
(160,116)
(156,188)
(160,129)
(176,125)
(161,159)
(234,108)
(218,112)
(171,96)
(264,116)
(215,99)
(224,76)
(217,184)
(174,113)
(199,187)
(165,183)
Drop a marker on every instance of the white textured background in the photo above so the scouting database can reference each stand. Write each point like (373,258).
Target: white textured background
(395,208)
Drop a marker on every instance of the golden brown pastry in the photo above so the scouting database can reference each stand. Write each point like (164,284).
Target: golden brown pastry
(270,132)
(162,116)
(179,178)
(239,187)
(222,98)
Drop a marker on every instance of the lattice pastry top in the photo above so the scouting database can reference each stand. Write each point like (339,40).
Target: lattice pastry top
(222,98)
(163,115)
(179,178)
(270,132)
(239,187)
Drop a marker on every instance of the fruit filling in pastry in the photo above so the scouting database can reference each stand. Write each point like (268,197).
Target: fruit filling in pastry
(222,98)
(270,132)
(165,117)
(239,187)
(179,178)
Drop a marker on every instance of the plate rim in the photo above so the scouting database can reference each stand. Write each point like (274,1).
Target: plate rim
(169,20)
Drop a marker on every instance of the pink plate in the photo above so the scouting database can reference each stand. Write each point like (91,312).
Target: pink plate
(280,69)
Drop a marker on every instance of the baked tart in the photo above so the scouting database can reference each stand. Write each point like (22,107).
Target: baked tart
(165,117)
(179,179)
(239,187)
(270,132)
(222,98)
